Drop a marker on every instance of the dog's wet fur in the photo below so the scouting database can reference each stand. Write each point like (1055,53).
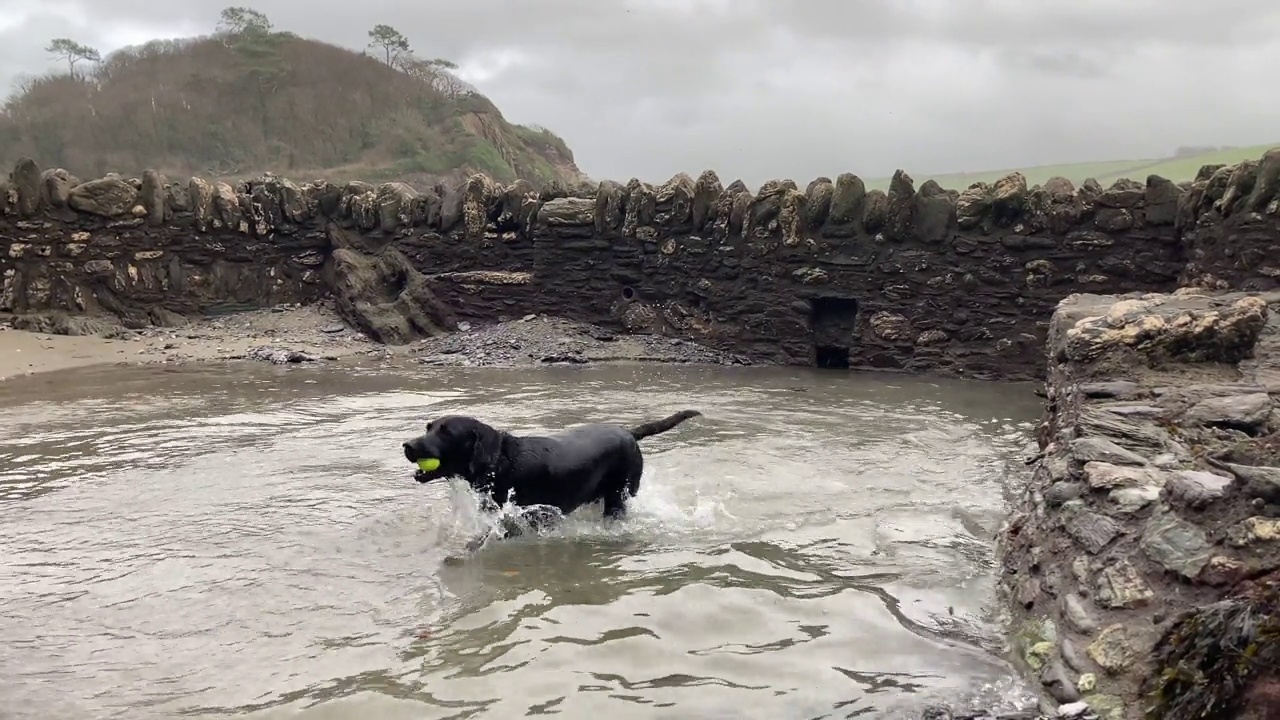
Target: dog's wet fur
(564,471)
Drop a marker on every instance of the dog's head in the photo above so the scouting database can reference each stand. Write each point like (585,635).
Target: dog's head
(465,447)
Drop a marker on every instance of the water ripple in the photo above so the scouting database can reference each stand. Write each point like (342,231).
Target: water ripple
(207,543)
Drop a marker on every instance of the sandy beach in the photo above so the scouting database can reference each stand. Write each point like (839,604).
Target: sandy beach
(316,330)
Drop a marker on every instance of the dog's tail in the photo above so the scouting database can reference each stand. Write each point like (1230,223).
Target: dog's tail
(641,432)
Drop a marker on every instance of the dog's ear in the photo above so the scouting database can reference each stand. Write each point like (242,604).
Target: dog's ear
(486,455)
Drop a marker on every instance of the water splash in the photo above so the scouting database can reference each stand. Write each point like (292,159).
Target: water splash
(659,512)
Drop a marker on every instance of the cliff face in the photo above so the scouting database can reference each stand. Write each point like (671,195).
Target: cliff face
(916,279)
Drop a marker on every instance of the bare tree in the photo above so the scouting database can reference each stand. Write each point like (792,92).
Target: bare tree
(437,73)
(72,52)
(393,43)
(451,85)
(415,68)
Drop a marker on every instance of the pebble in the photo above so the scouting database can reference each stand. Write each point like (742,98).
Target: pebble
(1077,616)
(1070,656)
(277,356)
(1073,710)
(1130,500)
(1063,491)
(1058,683)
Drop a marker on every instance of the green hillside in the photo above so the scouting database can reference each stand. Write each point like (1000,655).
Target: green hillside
(1175,169)
(250,99)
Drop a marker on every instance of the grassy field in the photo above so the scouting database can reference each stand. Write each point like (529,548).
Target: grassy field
(1175,169)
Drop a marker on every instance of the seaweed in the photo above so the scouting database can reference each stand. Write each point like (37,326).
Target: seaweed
(1208,659)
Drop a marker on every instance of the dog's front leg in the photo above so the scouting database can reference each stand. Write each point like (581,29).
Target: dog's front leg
(478,541)
(473,545)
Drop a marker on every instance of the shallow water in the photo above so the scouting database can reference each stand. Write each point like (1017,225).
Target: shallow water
(207,542)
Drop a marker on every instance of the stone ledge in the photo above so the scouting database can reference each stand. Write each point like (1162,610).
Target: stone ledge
(1148,538)
(484,277)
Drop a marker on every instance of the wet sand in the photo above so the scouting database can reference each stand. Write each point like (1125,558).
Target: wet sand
(314,329)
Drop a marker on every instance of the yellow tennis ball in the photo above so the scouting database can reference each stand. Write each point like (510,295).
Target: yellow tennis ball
(428,464)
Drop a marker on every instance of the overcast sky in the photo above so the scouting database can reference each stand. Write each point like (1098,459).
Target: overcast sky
(757,89)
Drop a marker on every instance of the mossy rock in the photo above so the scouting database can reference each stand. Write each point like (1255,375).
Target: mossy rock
(1038,655)
(1031,639)
(1108,707)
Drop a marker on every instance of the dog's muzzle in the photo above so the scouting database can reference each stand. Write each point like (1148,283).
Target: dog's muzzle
(426,464)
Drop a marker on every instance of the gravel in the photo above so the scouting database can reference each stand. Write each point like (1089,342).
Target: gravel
(543,340)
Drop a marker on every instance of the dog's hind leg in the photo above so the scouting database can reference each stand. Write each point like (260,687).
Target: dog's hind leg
(627,485)
(615,502)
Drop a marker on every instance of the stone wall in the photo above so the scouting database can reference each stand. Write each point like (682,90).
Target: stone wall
(1144,555)
(920,279)
(1228,221)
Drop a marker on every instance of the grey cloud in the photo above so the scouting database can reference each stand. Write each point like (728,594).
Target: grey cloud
(760,88)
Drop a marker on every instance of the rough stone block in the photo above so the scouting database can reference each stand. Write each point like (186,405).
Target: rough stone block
(1197,489)
(1093,531)
(1175,544)
(1106,476)
(1113,650)
(1121,586)
(1259,482)
(1097,449)
(1247,412)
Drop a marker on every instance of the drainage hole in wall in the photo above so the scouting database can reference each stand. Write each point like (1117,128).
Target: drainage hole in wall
(831,357)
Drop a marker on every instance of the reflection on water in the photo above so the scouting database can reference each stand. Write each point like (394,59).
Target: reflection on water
(208,542)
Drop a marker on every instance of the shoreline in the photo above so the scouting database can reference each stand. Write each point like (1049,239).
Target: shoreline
(34,345)
(37,344)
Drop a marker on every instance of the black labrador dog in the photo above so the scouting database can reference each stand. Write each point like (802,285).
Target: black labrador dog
(564,471)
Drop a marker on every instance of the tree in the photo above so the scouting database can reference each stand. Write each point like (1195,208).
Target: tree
(436,73)
(72,52)
(451,85)
(238,20)
(442,63)
(248,33)
(392,42)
